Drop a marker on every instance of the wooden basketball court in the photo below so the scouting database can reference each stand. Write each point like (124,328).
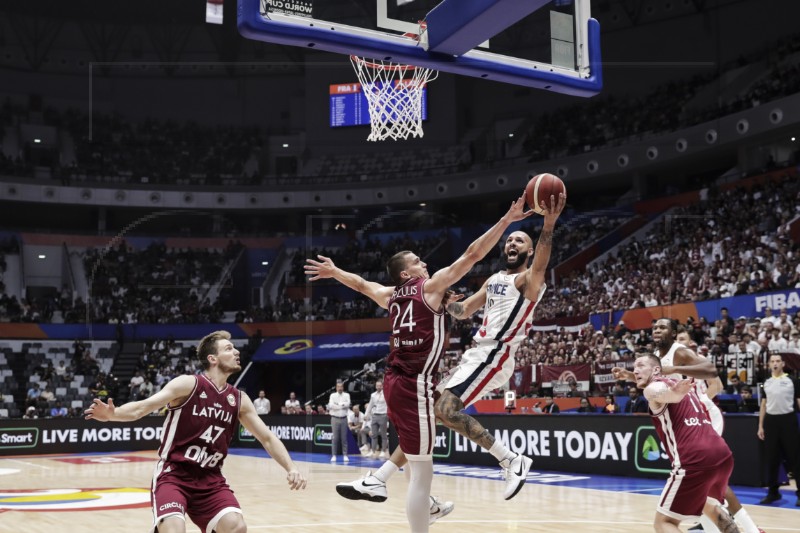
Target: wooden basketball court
(548,503)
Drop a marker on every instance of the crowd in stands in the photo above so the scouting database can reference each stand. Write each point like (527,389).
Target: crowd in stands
(154,285)
(732,243)
(613,120)
(169,152)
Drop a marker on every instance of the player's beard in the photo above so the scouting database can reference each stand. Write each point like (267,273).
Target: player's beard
(516,262)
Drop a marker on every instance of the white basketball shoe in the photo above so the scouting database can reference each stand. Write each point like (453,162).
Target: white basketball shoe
(439,509)
(366,488)
(515,473)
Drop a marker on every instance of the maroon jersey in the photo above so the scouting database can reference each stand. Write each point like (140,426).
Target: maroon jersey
(687,433)
(418,334)
(198,432)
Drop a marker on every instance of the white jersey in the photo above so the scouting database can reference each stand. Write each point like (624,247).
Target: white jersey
(700,387)
(507,315)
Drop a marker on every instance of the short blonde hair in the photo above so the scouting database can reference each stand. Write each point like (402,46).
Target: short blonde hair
(208,346)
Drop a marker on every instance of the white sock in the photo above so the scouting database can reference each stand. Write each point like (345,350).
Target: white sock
(708,525)
(387,470)
(743,520)
(418,500)
(500,452)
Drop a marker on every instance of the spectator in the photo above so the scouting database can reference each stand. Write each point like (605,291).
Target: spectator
(30,413)
(734,385)
(636,402)
(134,384)
(339,407)
(610,407)
(292,405)
(550,406)
(379,422)
(262,403)
(586,407)
(574,391)
(58,411)
(355,421)
(748,403)
(33,394)
(47,395)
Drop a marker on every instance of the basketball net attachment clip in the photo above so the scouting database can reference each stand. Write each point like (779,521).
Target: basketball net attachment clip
(394,95)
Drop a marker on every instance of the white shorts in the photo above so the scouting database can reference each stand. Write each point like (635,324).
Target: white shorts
(481,369)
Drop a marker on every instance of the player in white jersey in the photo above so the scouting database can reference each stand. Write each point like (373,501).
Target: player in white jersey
(679,360)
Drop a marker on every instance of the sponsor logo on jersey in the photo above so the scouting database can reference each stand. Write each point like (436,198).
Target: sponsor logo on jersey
(649,454)
(203,395)
(231,400)
(171,505)
(72,499)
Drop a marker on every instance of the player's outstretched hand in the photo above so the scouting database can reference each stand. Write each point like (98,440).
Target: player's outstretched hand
(297,481)
(683,386)
(100,411)
(517,210)
(622,373)
(451,296)
(322,269)
(554,210)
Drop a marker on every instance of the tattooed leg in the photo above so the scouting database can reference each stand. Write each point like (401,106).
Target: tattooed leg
(448,410)
(721,517)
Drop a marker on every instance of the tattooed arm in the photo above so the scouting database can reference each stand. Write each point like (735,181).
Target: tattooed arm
(468,307)
(531,284)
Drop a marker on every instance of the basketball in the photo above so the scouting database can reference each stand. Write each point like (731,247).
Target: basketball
(540,188)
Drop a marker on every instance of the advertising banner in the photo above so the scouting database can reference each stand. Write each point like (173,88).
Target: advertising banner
(595,444)
(747,305)
(322,347)
(76,435)
(299,433)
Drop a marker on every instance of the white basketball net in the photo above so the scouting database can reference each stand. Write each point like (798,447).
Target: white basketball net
(394,97)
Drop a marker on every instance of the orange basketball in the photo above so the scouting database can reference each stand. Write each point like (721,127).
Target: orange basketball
(540,188)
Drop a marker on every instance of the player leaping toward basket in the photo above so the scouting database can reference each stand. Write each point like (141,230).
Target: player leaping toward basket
(510,298)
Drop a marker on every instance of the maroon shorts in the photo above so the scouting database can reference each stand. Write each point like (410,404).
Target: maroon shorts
(204,496)
(409,402)
(687,490)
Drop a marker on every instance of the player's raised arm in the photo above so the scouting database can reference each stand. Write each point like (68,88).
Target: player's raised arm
(659,392)
(476,251)
(688,363)
(468,307)
(534,276)
(272,444)
(325,268)
(174,392)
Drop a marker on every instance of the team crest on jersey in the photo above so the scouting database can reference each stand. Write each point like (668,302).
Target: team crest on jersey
(232,400)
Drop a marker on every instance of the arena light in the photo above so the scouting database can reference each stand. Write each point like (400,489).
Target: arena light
(792,139)
(37,141)
(42,256)
(264,263)
(286,145)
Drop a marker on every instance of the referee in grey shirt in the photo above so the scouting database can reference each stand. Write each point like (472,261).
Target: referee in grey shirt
(777,426)
(380,422)
(339,407)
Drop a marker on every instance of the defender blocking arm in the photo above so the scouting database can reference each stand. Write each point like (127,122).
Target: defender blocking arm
(324,268)
(478,249)
(468,307)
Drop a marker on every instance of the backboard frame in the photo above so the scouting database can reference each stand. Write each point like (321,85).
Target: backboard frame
(309,33)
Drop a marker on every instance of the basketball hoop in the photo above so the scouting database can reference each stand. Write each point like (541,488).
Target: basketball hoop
(394,95)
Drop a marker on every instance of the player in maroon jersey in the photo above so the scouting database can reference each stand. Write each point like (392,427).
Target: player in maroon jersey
(416,312)
(701,460)
(201,418)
